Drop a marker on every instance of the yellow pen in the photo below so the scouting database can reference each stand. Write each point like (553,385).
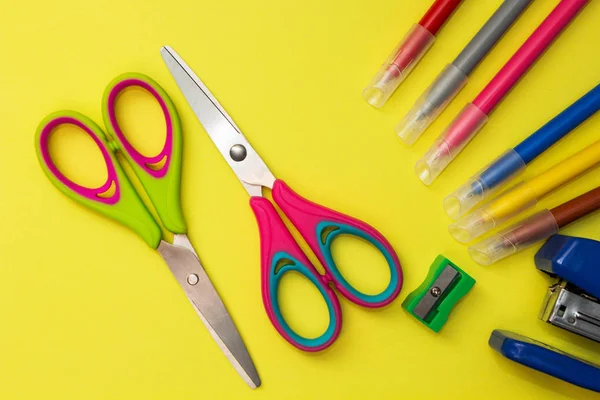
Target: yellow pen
(524,195)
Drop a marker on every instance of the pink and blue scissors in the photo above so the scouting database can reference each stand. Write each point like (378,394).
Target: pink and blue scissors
(318,225)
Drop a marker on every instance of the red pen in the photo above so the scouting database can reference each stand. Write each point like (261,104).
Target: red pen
(409,52)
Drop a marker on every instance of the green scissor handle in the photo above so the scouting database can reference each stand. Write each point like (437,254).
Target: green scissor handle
(161,174)
(116,198)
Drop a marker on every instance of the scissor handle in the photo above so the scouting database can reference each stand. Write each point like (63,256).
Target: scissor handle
(161,174)
(320,226)
(280,254)
(116,198)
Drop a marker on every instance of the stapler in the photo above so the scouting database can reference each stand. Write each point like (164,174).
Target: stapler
(572,303)
(574,259)
(546,359)
(567,306)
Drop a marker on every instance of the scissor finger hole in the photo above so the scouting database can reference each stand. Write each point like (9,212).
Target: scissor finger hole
(361,264)
(77,156)
(142,122)
(302,305)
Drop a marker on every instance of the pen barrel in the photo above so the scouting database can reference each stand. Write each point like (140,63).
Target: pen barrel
(398,65)
(559,126)
(566,170)
(431,103)
(507,166)
(437,15)
(489,34)
(483,184)
(518,237)
(450,143)
(524,195)
(455,75)
(512,162)
(531,230)
(577,208)
(512,202)
(527,54)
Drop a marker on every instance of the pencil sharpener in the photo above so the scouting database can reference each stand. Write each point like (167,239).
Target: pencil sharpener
(444,286)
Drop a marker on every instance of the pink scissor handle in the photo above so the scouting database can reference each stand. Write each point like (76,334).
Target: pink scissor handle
(116,198)
(281,254)
(320,226)
(98,194)
(158,165)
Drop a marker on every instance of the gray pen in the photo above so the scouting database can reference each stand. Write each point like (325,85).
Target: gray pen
(455,75)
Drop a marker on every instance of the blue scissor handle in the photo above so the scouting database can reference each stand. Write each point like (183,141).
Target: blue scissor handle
(329,231)
(280,254)
(319,226)
(283,263)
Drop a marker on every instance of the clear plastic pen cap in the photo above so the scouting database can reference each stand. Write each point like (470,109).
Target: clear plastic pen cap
(431,104)
(520,236)
(491,215)
(447,146)
(398,65)
(486,182)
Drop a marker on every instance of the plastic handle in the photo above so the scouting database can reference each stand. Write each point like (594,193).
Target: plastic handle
(320,226)
(574,259)
(546,359)
(280,254)
(160,175)
(116,198)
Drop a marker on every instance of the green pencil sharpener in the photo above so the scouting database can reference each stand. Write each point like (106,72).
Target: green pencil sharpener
(444,286)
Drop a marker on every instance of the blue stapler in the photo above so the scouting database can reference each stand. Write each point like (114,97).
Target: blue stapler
(573,302)
(546,359)
(574,259)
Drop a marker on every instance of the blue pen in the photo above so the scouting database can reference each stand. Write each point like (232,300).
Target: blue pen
(514,161)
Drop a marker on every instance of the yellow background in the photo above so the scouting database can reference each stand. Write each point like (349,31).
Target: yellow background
(88,311)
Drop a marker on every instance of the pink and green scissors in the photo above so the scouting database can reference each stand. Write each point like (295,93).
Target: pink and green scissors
(160,178)
(318,225)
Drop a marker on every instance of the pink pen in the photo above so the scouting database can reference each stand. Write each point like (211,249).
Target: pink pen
(474,115)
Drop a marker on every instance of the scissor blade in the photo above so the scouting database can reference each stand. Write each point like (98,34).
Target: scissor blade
(239,154)
(185,266)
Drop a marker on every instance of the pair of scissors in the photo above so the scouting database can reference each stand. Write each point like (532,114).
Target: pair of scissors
(318,225)
(160,178)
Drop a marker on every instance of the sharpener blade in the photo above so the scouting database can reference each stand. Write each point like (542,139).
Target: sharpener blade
(436,293)
(432,302)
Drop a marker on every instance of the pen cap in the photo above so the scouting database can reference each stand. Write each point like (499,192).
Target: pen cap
(483,184)
(398,65)
(492,214)
(447,146)
(512,240)
(431,103)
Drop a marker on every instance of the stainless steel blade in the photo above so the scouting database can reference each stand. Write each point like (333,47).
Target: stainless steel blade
(185,266)
(434,296)
(237,151)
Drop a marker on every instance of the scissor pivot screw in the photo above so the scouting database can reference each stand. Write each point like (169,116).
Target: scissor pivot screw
(192,279)
(436,291)
(237,152)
